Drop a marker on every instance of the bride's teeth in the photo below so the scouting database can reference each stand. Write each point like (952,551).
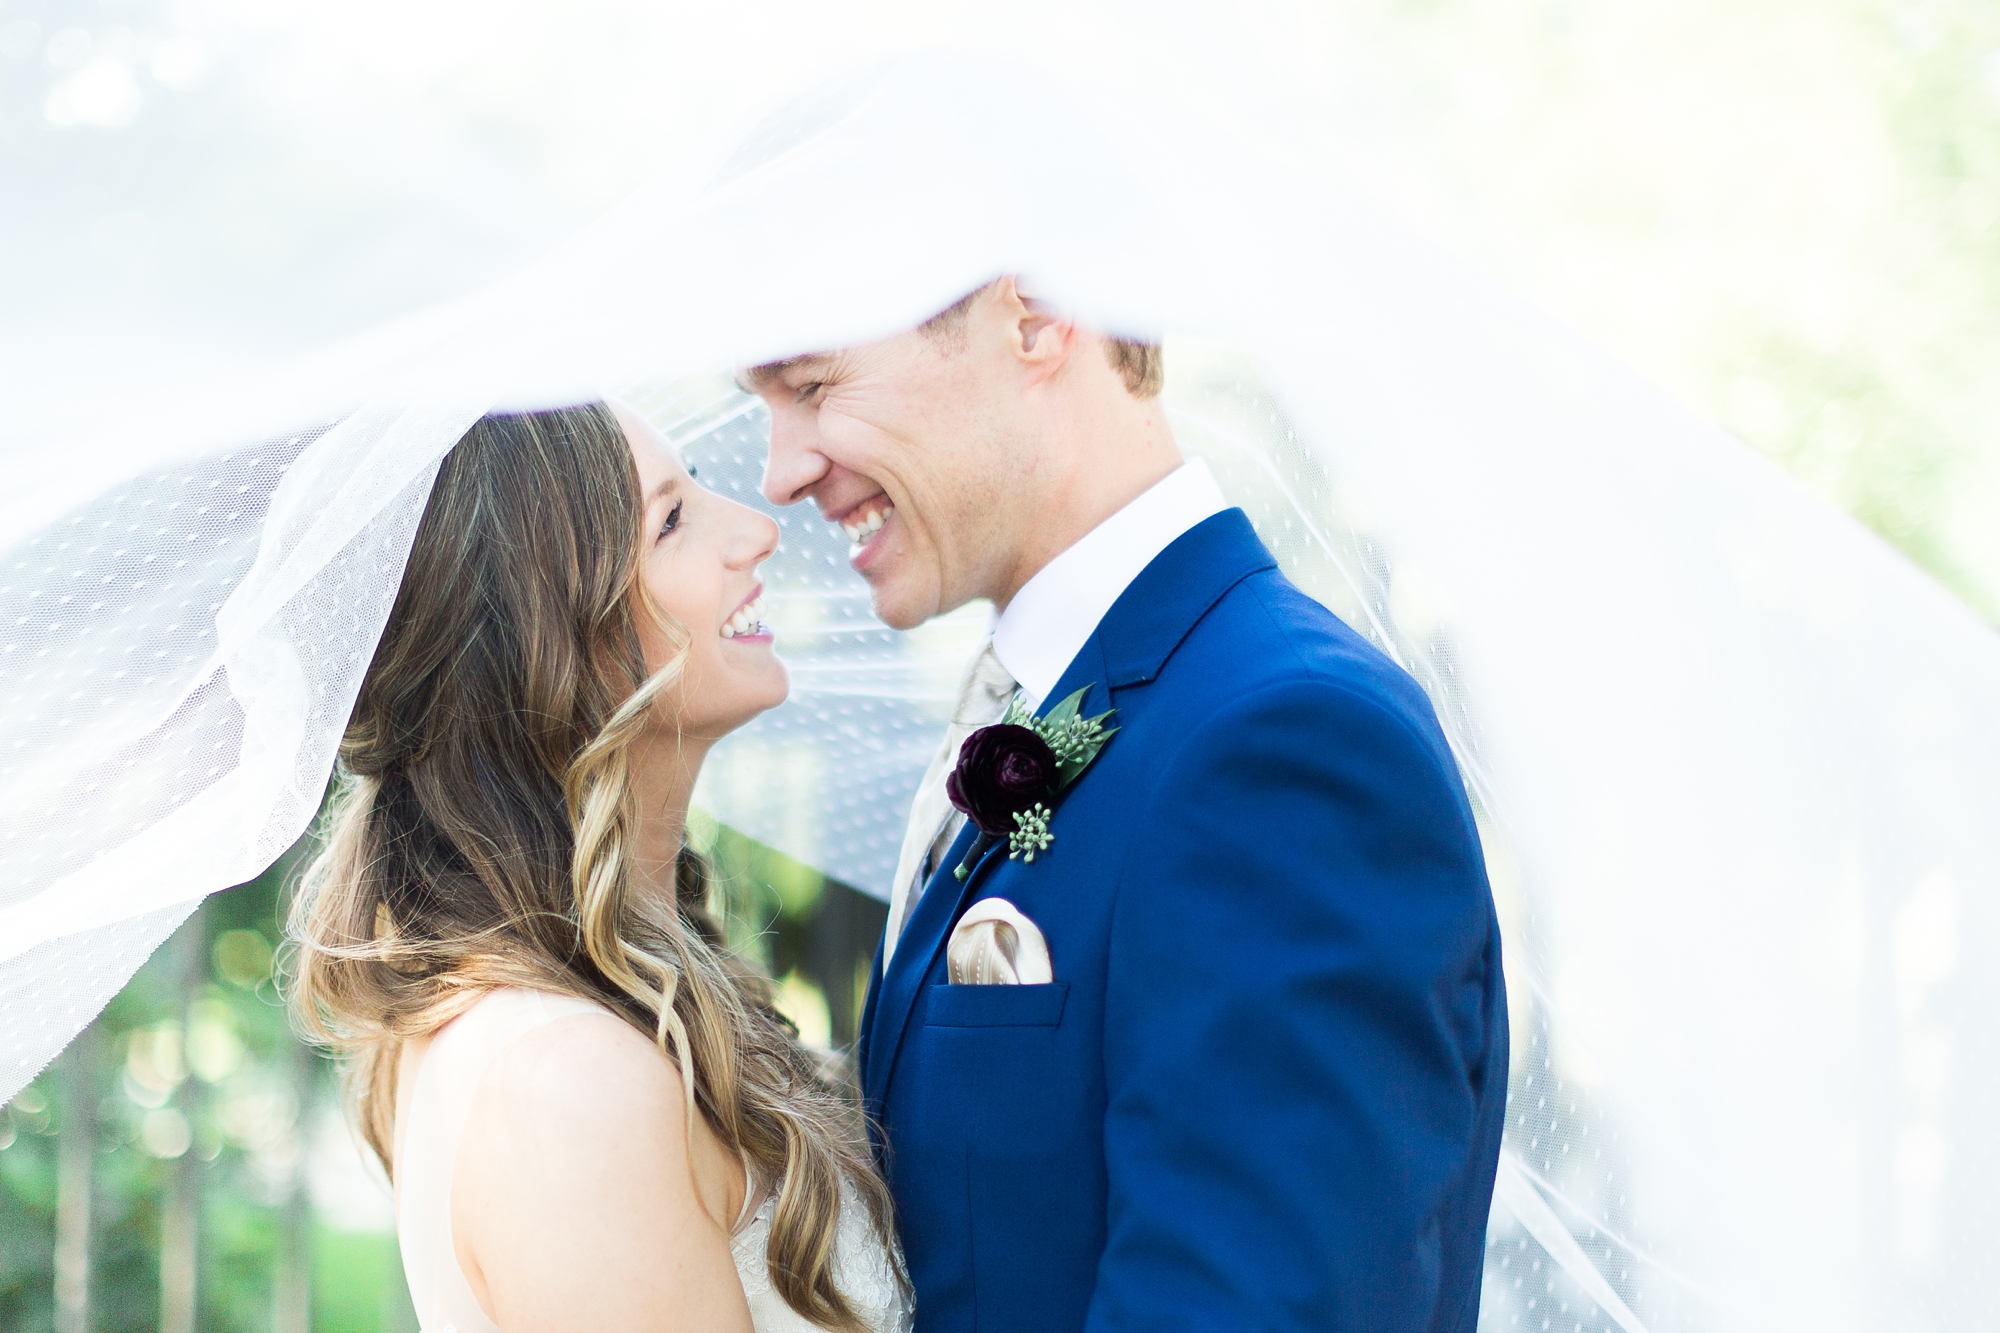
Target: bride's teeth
(745,620)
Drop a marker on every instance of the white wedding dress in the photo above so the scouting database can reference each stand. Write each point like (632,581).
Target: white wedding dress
(427,1140)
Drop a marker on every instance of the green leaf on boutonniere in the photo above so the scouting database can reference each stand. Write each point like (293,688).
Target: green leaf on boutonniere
(1074,739)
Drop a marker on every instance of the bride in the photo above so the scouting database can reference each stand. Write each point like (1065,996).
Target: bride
(592,1114)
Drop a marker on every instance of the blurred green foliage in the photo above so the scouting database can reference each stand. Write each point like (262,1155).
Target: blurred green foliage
(816,936)
(194,1065)
(1786,212)
(1894,415)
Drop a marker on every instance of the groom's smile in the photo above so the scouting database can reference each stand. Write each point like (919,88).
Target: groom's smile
(863,524)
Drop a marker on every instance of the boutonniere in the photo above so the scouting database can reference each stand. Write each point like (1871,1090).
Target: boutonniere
(1011,774)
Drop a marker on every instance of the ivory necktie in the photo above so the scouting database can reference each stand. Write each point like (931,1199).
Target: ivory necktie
(982,700)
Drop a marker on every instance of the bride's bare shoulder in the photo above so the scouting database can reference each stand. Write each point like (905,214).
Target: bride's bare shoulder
(583,1067)
(573,1187)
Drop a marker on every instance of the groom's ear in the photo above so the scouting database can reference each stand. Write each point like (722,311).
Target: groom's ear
(1039,338)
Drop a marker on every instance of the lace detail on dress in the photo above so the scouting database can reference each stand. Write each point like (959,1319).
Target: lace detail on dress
(863,1270)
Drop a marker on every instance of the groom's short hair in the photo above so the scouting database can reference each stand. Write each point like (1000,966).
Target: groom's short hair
(1139,364)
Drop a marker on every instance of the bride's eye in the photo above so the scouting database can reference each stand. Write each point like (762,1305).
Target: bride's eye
(807,391)
(673,520)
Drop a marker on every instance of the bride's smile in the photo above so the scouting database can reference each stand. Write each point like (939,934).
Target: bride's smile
(698,566)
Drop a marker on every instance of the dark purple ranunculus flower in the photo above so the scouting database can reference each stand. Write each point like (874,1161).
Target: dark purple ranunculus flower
(1002,770)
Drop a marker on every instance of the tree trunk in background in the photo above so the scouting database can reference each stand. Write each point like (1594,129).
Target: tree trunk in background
(291,1287)
(75,1153)
(180,1224)
(839,943)
(180,1212)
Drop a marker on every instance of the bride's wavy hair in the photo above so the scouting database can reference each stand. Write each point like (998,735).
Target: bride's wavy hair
(480,831)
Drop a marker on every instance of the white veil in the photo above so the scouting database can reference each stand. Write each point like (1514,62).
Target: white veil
(1736,761)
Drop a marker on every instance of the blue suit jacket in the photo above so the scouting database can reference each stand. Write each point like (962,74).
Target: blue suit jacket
(1266,1088)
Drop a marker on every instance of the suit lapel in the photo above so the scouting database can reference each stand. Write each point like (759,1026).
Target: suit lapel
(1137,635)
(923,935)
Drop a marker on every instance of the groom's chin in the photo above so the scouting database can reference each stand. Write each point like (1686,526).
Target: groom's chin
(897,616)
(899,606)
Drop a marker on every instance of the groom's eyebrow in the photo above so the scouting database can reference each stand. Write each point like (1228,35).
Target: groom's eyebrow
(755,379)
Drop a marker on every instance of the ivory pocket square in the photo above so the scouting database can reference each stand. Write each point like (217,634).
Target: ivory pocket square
(994,944)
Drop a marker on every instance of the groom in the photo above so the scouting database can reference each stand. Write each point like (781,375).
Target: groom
(1264,1088)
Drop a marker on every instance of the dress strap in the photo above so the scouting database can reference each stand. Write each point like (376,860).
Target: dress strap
(753,1194)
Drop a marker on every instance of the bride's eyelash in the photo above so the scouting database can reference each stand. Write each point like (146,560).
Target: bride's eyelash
(808,390)
(673,519)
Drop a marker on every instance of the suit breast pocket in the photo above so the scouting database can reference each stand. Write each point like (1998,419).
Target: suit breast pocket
(996,1006)
(996,1064)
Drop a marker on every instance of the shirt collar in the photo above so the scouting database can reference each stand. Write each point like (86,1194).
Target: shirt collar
(1057,610)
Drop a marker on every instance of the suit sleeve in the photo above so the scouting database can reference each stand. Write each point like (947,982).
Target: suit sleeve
(1292,1027)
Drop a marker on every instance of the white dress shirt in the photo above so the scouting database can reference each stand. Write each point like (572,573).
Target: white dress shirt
(1057,610)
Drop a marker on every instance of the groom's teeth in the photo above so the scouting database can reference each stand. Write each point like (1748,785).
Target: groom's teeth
(862,530)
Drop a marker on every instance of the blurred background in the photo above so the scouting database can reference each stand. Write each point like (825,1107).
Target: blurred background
(1786,213)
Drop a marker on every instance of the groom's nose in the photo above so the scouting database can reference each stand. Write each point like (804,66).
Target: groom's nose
(794,465)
